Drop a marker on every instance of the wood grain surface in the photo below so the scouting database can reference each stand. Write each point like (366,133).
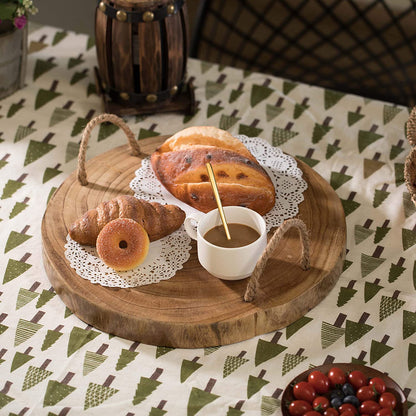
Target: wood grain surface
(193,309)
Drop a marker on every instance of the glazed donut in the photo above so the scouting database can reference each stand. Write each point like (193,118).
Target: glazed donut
(122,244)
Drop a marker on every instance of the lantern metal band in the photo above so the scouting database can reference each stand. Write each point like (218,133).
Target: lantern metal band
(153,15)
(149,98)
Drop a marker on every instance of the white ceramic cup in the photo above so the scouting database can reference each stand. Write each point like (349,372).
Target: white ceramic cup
(227,263)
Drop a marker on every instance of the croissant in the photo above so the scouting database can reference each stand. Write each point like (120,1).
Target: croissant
(157,219)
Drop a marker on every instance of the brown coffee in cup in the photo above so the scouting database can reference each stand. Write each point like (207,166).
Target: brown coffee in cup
(241,235)
(227,263)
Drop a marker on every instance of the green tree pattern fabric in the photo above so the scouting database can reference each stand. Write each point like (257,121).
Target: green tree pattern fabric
(34,376)
(51,363)
(97,394)
(126,357)
(56,392)
(144,388)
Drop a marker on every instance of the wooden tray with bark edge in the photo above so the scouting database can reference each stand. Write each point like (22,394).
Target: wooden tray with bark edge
(193,309)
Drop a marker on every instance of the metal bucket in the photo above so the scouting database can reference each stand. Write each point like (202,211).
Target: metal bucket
(13,48)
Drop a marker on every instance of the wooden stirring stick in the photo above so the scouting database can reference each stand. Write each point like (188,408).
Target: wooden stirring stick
(217,198)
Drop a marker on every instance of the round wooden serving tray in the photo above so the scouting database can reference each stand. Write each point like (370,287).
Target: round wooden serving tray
(193,309)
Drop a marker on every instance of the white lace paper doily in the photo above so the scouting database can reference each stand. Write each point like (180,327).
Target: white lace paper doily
(162,262)
(167,255)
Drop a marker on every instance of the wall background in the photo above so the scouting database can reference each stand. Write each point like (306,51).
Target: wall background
(79,15)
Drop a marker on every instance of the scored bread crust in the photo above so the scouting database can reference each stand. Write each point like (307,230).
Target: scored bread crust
(205,136)
(180,165)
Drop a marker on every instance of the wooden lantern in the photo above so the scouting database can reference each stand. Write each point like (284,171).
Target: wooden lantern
(142,48)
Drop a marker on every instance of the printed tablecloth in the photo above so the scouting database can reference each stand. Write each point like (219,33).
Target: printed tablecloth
(52,363)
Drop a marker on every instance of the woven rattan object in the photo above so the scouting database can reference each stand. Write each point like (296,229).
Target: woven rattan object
(410,163)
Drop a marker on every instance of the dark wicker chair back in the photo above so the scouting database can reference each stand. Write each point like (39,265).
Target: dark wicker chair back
(367,47)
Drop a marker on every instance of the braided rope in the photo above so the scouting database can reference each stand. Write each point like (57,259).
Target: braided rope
(411,127)
(410,162)
(102,118)
(270,248)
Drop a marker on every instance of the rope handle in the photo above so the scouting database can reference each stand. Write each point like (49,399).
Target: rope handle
(410,161)
(102,118)
(411,128)
(253,283)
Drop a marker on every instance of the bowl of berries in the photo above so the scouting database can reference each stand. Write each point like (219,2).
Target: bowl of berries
(343,389)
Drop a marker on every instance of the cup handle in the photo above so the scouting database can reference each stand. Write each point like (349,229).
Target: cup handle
(191,224)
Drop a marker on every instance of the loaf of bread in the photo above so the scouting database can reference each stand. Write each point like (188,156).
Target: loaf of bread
(158,220)
(180,165)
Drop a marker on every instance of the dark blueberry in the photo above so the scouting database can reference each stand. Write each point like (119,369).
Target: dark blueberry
(249,162)
(352,400)
(336,393)
(188,159)
(209,157)
(336,402)
(348,389)
(194,197)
